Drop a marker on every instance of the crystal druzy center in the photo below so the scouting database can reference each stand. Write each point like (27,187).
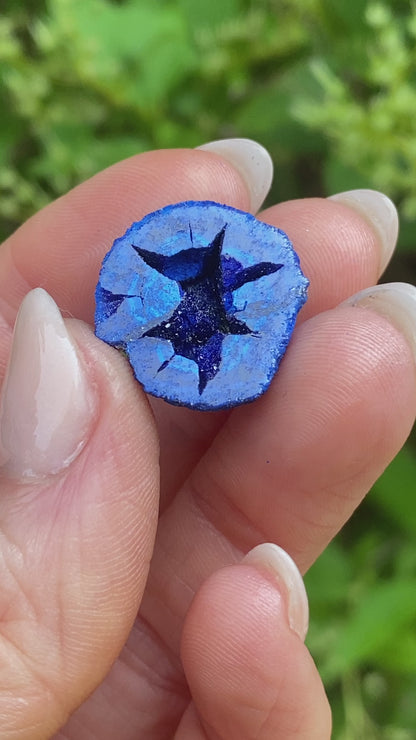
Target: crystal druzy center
(203,299)
(206,311)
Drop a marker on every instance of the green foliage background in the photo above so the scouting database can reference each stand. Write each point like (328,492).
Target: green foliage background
(329,88)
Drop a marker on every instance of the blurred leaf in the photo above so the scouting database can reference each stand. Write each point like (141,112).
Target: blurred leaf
(202,14)
(141,49)
(407,236)
(400,655)
(10,132)
(327,581)
(267,115)
(346,15)
(376,624)
(395,491)
(339,177)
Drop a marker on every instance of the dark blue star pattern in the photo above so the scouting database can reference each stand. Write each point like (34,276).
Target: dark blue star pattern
(206,312)
(202,298)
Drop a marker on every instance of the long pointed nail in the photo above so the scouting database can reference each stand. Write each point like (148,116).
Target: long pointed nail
(46,405)
(396,302)
(380,212)
(271,559)
(252,161)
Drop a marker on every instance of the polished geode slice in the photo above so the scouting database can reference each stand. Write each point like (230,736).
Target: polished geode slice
(203,300)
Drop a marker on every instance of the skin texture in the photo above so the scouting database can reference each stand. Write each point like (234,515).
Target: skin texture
(86,629)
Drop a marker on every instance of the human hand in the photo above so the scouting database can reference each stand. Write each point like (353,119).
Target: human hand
(80,481)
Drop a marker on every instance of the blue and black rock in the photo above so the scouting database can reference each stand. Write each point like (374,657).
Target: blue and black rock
(203,300)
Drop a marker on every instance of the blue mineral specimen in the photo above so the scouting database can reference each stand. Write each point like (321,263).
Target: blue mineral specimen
(203,300)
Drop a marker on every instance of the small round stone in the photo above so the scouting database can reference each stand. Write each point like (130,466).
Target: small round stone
(203,299)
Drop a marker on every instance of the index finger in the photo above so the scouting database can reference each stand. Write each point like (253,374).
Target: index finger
(61,248)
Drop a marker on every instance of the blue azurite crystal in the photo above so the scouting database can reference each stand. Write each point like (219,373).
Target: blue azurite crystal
(203,299)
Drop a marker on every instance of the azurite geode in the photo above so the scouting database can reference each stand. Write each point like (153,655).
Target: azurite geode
(203,300)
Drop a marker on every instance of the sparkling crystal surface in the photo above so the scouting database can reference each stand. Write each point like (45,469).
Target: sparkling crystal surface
(203,299)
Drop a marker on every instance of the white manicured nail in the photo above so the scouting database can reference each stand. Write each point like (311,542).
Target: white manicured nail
(272,559)
(395,301)
(381,214)
(46,405)
(252,161)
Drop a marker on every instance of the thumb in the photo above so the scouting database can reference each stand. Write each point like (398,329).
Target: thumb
(249,672)
(78,511)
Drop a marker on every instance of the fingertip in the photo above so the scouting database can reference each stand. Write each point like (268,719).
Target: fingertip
(272,560)
(80,538)
(339,250)
(380,212)
(394,301)
(47,413)
(249,673)
(251,160)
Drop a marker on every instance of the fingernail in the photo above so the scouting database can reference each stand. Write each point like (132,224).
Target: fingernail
(396,302)
(271,559)
(46,405)
(252,161)
(380,212)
